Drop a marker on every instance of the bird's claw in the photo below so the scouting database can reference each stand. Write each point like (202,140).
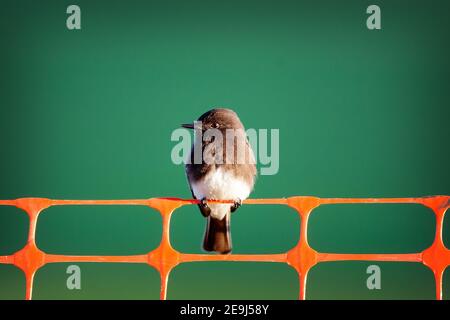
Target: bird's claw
(204,203)
(204,207)
(237,203)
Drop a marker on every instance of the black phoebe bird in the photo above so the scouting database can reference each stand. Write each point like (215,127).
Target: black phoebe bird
(225,171)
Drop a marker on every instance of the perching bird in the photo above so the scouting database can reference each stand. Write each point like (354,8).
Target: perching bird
(223,171)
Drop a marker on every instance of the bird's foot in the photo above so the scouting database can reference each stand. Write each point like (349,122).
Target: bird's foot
(204,203)
(204,207)
(237,203)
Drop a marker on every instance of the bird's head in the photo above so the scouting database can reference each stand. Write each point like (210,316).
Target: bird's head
(219,118)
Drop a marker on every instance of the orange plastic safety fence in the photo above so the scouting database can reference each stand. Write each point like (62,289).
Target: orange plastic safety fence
(164,258)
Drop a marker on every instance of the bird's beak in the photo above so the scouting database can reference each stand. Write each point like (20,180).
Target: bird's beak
(188,126)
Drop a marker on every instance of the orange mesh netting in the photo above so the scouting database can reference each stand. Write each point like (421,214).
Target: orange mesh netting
(164,258)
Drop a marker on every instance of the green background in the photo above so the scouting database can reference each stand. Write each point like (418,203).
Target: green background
(88,114)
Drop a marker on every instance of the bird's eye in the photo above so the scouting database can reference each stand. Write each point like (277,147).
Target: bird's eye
(216,125)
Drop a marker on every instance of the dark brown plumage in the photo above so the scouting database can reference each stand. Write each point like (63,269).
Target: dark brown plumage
(229,174)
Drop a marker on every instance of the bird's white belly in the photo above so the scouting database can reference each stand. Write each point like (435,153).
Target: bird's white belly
(219,184)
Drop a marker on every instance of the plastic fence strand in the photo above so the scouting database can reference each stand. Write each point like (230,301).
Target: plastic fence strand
(164,258)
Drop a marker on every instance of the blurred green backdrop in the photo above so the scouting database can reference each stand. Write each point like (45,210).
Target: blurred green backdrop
(89,113)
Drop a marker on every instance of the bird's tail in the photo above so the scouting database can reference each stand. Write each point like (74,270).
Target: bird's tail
(217,235)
